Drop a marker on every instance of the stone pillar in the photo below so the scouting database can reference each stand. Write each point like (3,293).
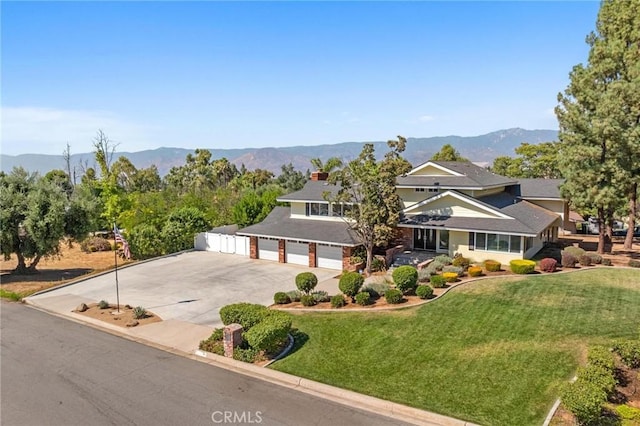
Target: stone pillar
(346,257)
(232,335)
(313,259)
(282,258)
(253,247)
(407,237)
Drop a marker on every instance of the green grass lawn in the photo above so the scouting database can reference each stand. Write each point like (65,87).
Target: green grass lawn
(492,352)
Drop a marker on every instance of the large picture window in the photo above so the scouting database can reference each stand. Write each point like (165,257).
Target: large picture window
(496,242)
(317,209)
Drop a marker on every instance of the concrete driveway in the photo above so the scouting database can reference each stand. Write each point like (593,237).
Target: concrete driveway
(191,286)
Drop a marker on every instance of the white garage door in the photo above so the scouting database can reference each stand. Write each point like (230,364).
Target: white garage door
(297,253)
(267,249)
(329,257)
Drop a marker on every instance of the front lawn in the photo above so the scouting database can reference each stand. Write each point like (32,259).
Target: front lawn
(491,352)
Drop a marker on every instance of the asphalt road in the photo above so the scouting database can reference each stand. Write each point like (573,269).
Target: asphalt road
(57,372)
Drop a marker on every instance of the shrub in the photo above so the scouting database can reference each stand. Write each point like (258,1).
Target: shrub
(424,291)
(281,298)
(585,400)
(320,296)
(602,357)
(443,259)
(474,271)
(350,283)
(606,262)
(459,260)
(376,290)
(438,281)
(596,259)
(337,301)
(294,295)
(574,251)
(458,270)
(634,263)
(377,264)
(548,264)
(139,312)
(393,296)
(450,277)
(569,260)
(626,412)
(103,304)
(584,260)
(249,355)
(599,376)
(245,314)
(355,259)
(213,344)
(270,333)
(522,266)
(434,267)
(307,300)
(363,298)
(217,335)
(629,351)
(425,273)
(93,244)
(492,265)
(145,241)
(306,282)
(406,278)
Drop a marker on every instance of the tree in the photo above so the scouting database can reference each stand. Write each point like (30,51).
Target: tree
(181,227)
(332,164)
(533,161)
(599,117)
(104,150)
(290,179)
(448,153)
(254,207)
(370,186)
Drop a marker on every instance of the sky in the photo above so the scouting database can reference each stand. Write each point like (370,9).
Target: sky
(259,74)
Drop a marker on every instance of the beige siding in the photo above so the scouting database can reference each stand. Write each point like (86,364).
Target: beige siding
(450,206)
(410,197)
(556,206)
(430,171)
(298,209)
(459,243)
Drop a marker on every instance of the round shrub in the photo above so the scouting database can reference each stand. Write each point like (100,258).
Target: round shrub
(492,265)
(450,277)
(376,290)
(393,296)
(337,301)
(93,244)
(606,262)
(522,266)
(350,283)
(281,298)
(363,298)
(548,264)
(584,260)
(474,271)
(306,282)
(585,400)
(460,260)
(424,291)
(458,270)
(425,273)
(307,300)
(406,278)
(294,295)
(574,251)
(596,259)
(634,263)
(443,259)
(270,333)
(438,281)
(103,304)
(245,314)
(569,260)
(320,296)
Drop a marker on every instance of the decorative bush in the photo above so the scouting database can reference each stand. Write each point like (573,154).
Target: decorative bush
(548,264)
(492,265)
(376,290)
(599,376)
(103,304)
(350,283)
(425,273)
(294,295)
(249,355)
(474,271)
(450,277)
(355,260)
(306,282)
(443,259)
(569,260)
(596,259)
(245,314)
(424,291)
(93,244)
(585,400)
(634,263)
(438,281)
(584,260)
(629,351)
(139,312)
(270,333)
(214,343)
(307,300)
(377,264)
(281,298)
(406,278)
(631,414)
(320,296)
(574,251)
(458,270)
(602,357)
(606,262)
(337,301)
(522,266)
(363,298)
(459,260)
(393,296)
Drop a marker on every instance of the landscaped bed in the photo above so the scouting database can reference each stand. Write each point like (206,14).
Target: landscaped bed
(492,352)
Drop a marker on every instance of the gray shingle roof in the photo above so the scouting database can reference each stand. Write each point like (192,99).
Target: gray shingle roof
(312,191)
(540,188)
(473,176)
(279,224)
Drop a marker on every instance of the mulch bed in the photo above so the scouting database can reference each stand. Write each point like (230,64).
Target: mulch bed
(124,319)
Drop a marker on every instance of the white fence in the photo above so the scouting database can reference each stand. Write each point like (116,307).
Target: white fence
(222,243)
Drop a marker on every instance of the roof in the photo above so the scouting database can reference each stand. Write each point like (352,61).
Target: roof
(313,190)
(279,224)
(540,188)
(473,176)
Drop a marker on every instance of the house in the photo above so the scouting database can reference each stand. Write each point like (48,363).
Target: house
(448,207)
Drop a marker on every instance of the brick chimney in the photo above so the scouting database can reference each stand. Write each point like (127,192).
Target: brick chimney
(319,176)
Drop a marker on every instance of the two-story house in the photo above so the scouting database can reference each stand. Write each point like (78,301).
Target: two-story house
(449,207)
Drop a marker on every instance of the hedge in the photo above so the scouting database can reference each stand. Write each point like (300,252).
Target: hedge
(492,265)
(270,333)
(406,278)
(522,266)
(245,314)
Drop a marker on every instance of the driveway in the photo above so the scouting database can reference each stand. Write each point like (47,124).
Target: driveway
(192,286)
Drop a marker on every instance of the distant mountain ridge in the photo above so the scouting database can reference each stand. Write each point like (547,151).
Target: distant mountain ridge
(482,148)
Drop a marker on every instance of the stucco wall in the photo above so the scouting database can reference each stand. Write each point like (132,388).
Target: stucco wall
(459,243)
(451,206)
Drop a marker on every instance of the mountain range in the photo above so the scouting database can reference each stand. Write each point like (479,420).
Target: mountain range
(481,149)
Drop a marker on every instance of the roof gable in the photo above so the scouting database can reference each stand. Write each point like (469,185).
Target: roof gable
(454,204)
(431,168)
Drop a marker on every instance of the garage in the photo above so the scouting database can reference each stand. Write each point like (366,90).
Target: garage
(297,253)
(329,257)
(268,249)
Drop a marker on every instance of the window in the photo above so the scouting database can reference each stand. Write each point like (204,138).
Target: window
(444,239)
(515,244)
(317,209)
(433,190)
(340,210)
(419,189)
(496,242)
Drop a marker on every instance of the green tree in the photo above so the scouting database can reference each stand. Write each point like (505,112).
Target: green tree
(332,164)
(448,153)
(253,207)
(145,241)
(290,179)
(181,227)
(532,161)
(370,186)
(599,117)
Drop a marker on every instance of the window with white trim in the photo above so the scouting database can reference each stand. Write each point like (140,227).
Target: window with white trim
(341,210)
(317,209)
(495,242)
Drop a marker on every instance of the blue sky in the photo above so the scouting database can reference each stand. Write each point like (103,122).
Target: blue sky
(255,74)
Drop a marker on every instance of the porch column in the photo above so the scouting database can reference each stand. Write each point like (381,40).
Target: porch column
(282,258)
(253,247)
(313,260)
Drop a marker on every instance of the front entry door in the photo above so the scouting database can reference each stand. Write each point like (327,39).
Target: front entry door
(424,239)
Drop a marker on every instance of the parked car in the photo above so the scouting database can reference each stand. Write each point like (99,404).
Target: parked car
(623,232)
